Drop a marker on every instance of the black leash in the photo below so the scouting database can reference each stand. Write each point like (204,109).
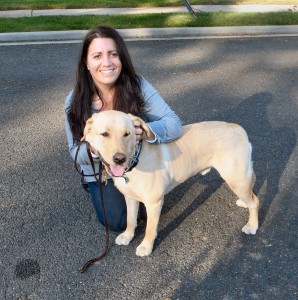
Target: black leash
(98,179)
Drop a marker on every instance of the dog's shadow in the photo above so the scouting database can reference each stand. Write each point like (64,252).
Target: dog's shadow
(272,148)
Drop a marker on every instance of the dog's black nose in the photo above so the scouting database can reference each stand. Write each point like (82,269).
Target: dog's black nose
(119,158)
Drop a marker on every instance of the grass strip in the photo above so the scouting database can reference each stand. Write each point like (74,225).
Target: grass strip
(66,4)
(51,23)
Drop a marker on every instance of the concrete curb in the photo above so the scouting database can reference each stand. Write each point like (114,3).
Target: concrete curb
(129,11)
(76,35)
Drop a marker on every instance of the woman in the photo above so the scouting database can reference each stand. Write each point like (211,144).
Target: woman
(106,79)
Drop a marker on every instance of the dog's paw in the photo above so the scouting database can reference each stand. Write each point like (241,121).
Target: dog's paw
(144,249)
(249,229)
(124,238)
(241,203)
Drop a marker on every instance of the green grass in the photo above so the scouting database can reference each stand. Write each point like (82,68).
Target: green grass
(146,21)
(54,4)
(49,23)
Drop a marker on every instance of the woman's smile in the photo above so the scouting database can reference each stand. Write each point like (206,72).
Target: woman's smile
(103,62)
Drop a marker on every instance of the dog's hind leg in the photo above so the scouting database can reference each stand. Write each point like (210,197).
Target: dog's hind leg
(251,201)
(238,175)
(132,212)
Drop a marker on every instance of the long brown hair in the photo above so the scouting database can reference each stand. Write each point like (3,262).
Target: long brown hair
(128,96)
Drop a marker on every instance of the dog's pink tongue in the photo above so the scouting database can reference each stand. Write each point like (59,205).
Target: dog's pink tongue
(117,170)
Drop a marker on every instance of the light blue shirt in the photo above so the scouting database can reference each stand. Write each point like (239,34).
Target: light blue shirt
(161,119)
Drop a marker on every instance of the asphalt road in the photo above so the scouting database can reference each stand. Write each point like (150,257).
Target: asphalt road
(48,226)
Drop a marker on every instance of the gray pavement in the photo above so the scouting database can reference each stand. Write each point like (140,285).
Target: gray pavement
(48,227)
(152,32)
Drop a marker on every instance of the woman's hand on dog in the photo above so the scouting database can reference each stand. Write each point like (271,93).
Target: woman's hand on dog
(140,132)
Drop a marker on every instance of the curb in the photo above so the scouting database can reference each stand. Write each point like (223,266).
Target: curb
(145,33)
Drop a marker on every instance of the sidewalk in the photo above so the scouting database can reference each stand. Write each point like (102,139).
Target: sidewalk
(131,11)
(77,35)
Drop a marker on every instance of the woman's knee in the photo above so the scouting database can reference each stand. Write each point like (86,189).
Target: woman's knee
(114,211)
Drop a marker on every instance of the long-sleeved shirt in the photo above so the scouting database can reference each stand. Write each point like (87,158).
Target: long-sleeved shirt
(161,119)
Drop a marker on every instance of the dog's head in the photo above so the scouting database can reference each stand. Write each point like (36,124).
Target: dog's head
(112,134)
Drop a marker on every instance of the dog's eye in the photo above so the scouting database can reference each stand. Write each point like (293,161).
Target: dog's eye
(126,133)
(105,134)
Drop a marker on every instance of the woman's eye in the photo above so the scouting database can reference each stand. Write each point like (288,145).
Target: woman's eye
(105,134)
(114,54)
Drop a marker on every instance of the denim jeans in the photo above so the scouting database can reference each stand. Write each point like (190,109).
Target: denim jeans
(114,202)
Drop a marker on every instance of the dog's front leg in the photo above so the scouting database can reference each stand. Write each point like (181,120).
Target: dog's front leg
(153,214)
(132,213)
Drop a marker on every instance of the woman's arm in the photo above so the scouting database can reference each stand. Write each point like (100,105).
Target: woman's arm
(83,158)
(161,119)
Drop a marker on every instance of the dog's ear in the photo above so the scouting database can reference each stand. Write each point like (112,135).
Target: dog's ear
(143,124)
(87,128)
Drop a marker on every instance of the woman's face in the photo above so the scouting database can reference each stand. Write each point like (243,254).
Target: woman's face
(103,62)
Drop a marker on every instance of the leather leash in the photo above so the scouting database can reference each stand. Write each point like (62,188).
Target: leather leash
(98,179)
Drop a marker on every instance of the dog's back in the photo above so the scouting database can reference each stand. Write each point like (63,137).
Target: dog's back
(202,146)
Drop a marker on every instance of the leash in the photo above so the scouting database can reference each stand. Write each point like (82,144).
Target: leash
(98,179)
(91,160)
(98,176)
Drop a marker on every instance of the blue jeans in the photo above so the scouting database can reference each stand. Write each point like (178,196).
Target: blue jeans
(114,202)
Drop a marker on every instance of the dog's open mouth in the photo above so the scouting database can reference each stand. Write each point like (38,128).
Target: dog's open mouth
(117,170)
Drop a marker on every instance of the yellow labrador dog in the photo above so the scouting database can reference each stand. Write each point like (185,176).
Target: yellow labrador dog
(220,145)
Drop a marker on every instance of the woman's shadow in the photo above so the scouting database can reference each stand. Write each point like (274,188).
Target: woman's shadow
(272,147)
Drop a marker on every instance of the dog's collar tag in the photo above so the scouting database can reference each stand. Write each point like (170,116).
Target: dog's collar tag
(123,180)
